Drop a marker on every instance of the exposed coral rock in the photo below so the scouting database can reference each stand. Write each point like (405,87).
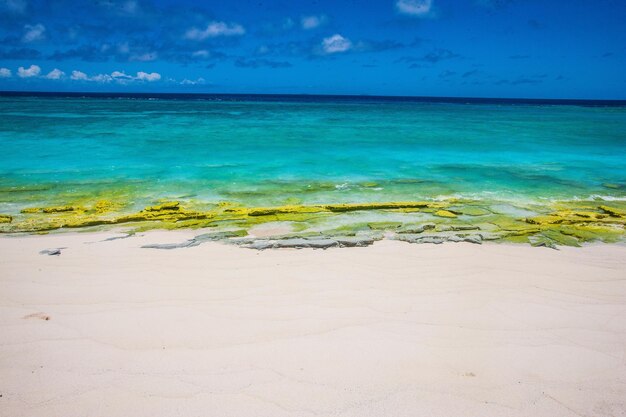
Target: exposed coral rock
(198,240)
(417,229)
(379,206)
(614,212)
(169,206)
(57,209)
(542,241)
(283,210)
(62,209)
(384,225)
(31,210)
(553,224)
(458,227)
(474,211)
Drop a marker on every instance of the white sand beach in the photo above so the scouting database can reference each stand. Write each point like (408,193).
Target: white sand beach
(108,328)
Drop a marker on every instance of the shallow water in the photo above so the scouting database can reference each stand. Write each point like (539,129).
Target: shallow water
(310,151)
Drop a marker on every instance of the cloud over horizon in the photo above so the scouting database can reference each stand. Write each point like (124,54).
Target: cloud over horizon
(418,8)
(215,29)
(335,44)
(408,46)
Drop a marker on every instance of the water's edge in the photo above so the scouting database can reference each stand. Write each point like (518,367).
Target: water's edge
(559,223)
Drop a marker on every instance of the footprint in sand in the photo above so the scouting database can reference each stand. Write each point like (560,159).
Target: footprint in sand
(41,316)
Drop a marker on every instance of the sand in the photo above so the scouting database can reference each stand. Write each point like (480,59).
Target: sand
(108,328)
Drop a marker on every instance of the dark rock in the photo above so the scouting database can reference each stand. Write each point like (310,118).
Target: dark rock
(51,252)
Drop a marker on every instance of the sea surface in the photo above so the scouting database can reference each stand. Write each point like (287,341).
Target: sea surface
(277,150)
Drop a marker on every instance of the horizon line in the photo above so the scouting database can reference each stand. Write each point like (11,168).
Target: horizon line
(163,94)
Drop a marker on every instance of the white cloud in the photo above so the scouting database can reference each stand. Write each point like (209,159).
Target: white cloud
(79,76)
(144,76)
(5,73)
(414,7)
(15,6)
(55,74)
(119,77)
(215,29)
(193,82)
(101,78)
(34,33)
(148,56)
(120,74)
(202,53)
(312,22)
(31,71)
(335,44)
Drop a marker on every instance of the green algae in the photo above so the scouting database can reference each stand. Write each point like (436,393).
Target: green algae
(444,213)
(384,225)
(379,206)
(57,209)
(613,211)
(473,211)
(556,224)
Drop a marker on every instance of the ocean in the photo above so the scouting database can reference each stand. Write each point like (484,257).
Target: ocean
(271,151)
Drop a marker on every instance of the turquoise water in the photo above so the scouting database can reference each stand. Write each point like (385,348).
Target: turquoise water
(263,153)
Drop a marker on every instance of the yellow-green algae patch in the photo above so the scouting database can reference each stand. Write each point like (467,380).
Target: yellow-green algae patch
(612,211)
(559,223)
(444,213)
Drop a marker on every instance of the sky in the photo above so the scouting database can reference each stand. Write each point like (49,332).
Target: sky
(455,48)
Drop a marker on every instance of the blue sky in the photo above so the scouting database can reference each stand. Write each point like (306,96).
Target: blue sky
(477,48)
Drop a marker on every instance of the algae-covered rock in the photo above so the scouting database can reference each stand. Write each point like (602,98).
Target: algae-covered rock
(560,238)
(31,210)
(384,225)
(612,211)
(296,243)
(377,206)
(458,227)
(50,210)
(417,229)
(542,241)
(436,239)
(551,224)
(295,209)
(474,211)
(62,209)
(103,206)
(444,213)
(169,206)
(568,217)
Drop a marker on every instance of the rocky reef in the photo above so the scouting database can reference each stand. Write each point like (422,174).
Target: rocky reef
(569,223)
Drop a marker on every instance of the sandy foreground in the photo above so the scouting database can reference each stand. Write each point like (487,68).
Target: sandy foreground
(112,329)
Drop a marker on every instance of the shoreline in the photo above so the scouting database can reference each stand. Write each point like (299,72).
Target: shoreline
(564,223)
(109,327)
